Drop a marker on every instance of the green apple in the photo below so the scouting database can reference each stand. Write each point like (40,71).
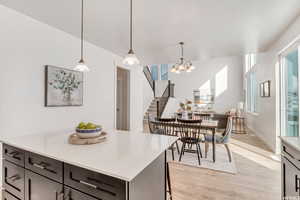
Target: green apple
(91,126)
(81,125)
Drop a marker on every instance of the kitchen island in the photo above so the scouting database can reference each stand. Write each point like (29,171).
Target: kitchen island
(126,166)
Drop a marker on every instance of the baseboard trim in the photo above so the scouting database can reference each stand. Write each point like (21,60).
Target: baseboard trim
(260,136)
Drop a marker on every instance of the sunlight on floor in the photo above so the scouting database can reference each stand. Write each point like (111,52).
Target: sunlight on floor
(257,155)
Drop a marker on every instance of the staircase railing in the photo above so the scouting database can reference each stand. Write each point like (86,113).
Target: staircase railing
(168,92)
(148,76)
(163,100)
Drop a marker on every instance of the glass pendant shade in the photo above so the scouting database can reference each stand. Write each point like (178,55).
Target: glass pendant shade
(131,59)
(81,66)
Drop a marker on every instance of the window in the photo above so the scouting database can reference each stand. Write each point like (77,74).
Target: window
(251,83)
(164,71)
(154,72)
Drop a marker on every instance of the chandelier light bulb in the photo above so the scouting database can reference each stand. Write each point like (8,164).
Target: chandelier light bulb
(173,69)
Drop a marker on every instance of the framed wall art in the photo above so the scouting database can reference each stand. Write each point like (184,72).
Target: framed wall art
(63,87)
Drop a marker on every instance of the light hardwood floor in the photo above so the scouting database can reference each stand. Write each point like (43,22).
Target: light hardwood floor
(258,176)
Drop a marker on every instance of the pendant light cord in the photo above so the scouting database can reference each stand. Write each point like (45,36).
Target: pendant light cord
(82,30)
(131,27)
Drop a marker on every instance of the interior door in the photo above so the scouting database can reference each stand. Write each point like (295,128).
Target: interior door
(123,99)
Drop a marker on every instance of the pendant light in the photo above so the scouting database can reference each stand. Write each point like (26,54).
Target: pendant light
(81,66)
(131,59)
(183,65)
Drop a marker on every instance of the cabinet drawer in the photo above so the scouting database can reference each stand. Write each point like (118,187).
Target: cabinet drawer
(95,184)
(291,179)
(13,154)
(76,195)
(291,154)
(13,179)
(45,166)
(38,187)
(7,196)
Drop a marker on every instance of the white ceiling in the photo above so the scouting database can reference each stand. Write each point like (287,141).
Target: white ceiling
(209,27)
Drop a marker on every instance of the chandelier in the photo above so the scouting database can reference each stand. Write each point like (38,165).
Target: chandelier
(183,65)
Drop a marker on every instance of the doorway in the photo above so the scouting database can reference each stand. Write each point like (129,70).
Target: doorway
(123,99)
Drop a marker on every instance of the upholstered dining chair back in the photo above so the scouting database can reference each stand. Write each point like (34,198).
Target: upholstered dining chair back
(222,120)
(228,131)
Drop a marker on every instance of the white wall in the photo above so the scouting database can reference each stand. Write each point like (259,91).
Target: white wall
(263,123)
(266,123)
(223,74)
(26,46)
(147,94)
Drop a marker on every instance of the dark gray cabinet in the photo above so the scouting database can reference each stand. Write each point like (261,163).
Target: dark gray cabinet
(38,187)
(29,176)
(290,166)
(95,184)
(291,179)
(71,194)
(45,166)
(13,154)
(13,176)
(8,196)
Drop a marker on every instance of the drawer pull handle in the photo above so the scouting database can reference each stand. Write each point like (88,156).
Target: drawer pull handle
(14,178)
(88,184)
(14,154)
(41,166)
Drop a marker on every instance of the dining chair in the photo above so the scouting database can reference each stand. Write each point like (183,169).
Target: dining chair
(170,129)
(190,134)
(165,128)
(221,139)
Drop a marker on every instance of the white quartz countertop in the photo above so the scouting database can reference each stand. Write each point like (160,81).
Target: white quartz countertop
(123,155)
(292,141)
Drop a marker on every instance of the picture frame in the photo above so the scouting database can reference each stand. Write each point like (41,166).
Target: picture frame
(63,87)
(265,89)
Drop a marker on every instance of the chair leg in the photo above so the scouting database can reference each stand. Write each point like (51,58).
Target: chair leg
(169,181)
(198,153)
(182,150)
(198,145)
(172,149)
(228,152)
(177,146)
(206,148)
